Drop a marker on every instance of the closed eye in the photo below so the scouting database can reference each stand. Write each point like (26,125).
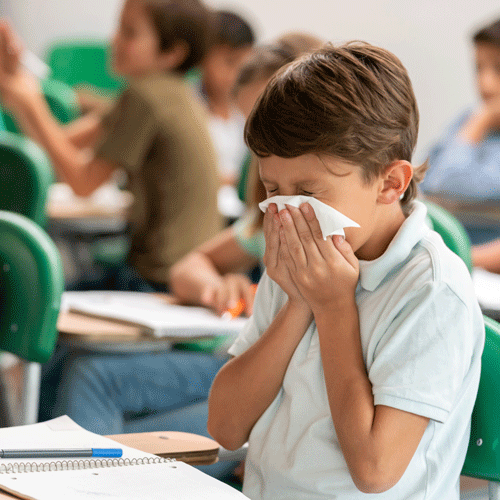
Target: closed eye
(307,193)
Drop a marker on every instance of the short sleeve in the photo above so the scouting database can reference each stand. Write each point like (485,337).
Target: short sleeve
(260,320)
(423,357)
(129,131)
(253,242)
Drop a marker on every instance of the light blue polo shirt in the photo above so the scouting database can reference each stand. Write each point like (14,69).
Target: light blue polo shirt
(422,337)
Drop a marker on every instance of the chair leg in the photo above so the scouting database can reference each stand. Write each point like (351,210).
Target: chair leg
(493,490)
(30,396)
(6,412)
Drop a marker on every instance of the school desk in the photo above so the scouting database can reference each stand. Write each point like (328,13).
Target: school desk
(484,213)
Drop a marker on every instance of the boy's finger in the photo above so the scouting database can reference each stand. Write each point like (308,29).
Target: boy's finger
(272,241)
(294,244)
(324,246)
(346,250)
(305,234)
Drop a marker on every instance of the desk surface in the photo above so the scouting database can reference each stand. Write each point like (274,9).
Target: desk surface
(87,332)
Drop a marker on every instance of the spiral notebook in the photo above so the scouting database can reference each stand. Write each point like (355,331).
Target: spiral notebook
(137,475)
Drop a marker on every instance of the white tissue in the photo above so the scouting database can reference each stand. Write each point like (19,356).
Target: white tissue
(330,220)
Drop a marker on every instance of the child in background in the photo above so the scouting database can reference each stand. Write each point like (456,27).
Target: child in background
(233,43)
(156,132)
(358,370)
(465,163)
(216,273)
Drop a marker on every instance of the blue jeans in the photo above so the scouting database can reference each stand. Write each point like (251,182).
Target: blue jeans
(116,394)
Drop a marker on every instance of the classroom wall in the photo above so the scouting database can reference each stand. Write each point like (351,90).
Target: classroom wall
(431,37)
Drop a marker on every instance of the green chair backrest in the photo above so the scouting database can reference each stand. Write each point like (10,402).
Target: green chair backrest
(451,230)
(83,62)
(483,455)
(62,101)
(26,177)
(31,287)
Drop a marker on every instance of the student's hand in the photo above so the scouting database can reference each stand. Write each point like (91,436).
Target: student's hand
(325,271)
(275,255)
(17,85)
(227,293)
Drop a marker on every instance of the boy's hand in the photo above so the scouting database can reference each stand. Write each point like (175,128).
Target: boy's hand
(17,85)
(226,294)
(275,255)
(325,271)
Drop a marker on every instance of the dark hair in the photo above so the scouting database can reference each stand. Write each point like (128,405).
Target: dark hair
(231,29)
(488,34)
(189,21)
(354,102)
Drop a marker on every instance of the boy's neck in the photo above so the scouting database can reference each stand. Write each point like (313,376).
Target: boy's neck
(389,220)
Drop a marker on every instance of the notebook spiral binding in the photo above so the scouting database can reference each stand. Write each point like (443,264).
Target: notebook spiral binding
(59,465)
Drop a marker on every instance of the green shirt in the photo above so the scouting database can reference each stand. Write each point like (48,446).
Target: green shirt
(158,134)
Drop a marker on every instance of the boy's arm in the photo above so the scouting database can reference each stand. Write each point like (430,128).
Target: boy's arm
(378,442)
(246,385)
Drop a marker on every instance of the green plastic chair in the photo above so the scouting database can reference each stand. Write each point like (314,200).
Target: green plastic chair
(483,455)
(451,230)
(82,62)
(62,101)
(26,177)
(31,287)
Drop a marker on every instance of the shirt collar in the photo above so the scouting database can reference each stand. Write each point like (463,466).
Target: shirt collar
(413,229)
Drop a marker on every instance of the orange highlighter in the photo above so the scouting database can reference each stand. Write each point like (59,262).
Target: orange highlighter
(238,309)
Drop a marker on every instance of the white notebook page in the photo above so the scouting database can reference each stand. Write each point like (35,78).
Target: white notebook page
(148,310)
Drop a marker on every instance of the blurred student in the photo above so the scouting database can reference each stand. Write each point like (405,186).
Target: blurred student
(465,163)
(216,273)
(117,394)
(341,380)
(232,45)
(157,132)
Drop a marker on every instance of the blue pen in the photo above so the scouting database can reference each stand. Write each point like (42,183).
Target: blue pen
(63,453)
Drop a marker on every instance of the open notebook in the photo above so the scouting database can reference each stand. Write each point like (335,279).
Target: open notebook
(137,475)
(153,313)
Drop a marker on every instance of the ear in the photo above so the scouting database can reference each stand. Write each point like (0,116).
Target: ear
(395,180)
(175,55)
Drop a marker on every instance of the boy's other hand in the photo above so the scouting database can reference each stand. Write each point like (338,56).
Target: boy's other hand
(16,84)
(325,271)
(227,293)
(274,257)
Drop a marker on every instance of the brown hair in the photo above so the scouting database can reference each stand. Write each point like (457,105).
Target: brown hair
(262,65)
(488,34)
(354,102)
(189,21)
(267,59)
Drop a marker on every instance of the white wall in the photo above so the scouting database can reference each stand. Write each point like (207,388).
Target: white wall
(431,37)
